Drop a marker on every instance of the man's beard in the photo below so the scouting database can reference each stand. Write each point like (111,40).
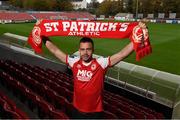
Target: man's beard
(86,58)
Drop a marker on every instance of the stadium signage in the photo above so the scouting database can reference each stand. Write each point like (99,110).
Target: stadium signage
(85,28)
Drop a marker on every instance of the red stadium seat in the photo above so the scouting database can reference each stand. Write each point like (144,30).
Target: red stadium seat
(150,116)
(109,115)
(69,95)
(7,111)
(58,115)
(137,114)
(125,115)
(60,102)
(159,115)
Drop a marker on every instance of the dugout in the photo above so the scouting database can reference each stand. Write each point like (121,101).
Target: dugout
(153,88)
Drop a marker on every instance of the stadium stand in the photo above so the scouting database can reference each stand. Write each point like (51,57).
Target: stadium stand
(64,15)
(15,17)
(37,86)
(46,89)
(11,17)
(44,15)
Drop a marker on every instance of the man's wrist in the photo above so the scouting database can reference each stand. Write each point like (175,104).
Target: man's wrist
(45,39)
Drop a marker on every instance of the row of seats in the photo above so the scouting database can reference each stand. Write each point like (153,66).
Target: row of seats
(71,15)
(15,16)
(62,102)
(64,15)
(45,109)
(58,101)
(26,16)
(128,106)
(8,109)
(55,84)
(20,75)
(64,89)
(137,110)
(62,79)
(36,71)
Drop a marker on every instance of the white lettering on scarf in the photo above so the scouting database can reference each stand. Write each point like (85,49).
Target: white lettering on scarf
(85,28)
(51,26)
(93,26)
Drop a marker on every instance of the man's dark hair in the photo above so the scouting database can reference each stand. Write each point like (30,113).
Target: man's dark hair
(87,39)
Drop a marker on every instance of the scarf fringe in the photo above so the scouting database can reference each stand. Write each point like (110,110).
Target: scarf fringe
(143,52)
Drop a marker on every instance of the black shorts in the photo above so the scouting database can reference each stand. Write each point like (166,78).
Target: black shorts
(76,114)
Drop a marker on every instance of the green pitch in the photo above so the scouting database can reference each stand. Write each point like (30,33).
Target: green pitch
(165,40)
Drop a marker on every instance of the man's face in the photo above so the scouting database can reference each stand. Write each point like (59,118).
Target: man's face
(86,51)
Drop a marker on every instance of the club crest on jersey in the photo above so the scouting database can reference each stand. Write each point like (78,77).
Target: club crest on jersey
(138,33)
(93,67)
(36,32)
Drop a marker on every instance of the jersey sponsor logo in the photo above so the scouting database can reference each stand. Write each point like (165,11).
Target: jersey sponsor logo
(84,75)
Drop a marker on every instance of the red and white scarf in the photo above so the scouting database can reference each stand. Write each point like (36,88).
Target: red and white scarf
(94,29)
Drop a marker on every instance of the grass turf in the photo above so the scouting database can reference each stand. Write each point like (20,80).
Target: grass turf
(165,40)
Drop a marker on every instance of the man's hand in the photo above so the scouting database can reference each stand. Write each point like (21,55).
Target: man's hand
(38,21)
(142,25)
(45,39)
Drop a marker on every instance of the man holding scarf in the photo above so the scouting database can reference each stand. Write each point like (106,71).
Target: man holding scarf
(88,74)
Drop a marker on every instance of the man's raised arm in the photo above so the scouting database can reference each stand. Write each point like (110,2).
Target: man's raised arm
(54,49)
(126,50)
(121,54)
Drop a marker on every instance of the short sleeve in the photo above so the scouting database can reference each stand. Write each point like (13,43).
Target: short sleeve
(70,60)
(104,62)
